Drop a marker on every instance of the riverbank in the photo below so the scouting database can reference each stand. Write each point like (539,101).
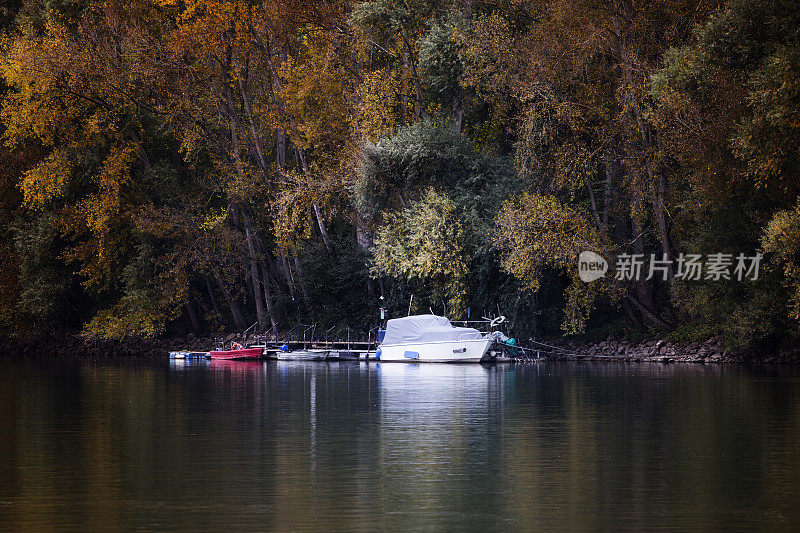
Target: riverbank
(711,351)
(67,345)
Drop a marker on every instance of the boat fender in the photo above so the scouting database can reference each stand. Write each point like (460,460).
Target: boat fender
(378,354)
(236,346)
(285,348)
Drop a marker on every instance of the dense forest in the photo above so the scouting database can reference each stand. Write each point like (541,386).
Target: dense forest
(171,166)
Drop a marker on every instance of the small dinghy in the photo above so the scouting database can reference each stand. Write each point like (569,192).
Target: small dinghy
(187,355)
(342,355)
(302,355)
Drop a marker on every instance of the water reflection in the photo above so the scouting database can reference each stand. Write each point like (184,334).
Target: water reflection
(289,445)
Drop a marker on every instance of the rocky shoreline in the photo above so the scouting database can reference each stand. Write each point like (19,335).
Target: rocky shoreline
(710,351)
(660,351)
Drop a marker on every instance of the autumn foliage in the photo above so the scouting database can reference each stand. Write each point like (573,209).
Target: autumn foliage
(176,165)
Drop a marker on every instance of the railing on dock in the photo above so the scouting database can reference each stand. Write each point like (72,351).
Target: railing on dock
(304,336)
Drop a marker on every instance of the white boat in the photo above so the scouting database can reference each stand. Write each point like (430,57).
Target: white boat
(432,339)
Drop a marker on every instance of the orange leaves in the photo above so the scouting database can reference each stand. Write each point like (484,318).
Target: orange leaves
(379,109)
(104,206)
(313,88)
(46,180)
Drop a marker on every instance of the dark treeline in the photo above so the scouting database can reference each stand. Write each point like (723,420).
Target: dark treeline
(199,165)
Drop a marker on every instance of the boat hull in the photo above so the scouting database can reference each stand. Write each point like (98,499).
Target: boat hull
(232,355)
(465,351)
(302,355)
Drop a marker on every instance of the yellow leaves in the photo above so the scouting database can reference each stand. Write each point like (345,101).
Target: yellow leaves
(781,239)
(129,316)
(535,233)
(490,40)
(428,241)
(32,111)
(313,89)
(102,213)
(213,220)
(293,211)
(47,180)
(379,107)
(102,208)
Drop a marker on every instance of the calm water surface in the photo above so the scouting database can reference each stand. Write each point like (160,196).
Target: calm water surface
(158,445)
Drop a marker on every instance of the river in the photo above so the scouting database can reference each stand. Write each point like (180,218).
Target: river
(157,445)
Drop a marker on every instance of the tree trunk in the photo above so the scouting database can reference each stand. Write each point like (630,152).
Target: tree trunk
(408,60)
(254,278)
(254,274)
(212,297)
(659,206)
(193,316)
(323,230)
(611,170)
(626,305)
(657,180)
(268,296)
(257,143)
(647,313)
(458,110)
(644,301)
(364,240)
(593,205)
(236,311)
(289,278)
(280,149)
(300,279)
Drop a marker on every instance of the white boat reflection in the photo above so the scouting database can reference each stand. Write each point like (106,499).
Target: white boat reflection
(418,388)
(179,364)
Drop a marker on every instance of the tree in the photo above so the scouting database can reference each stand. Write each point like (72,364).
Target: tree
(537,233)
(428,242)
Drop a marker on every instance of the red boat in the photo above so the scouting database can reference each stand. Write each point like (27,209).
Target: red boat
(238,353)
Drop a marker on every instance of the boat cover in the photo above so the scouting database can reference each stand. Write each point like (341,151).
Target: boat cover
(426,328)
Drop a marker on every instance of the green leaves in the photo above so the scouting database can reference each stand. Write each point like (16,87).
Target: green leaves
(536,234)
(440,61)
(427,241)
(398,168)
